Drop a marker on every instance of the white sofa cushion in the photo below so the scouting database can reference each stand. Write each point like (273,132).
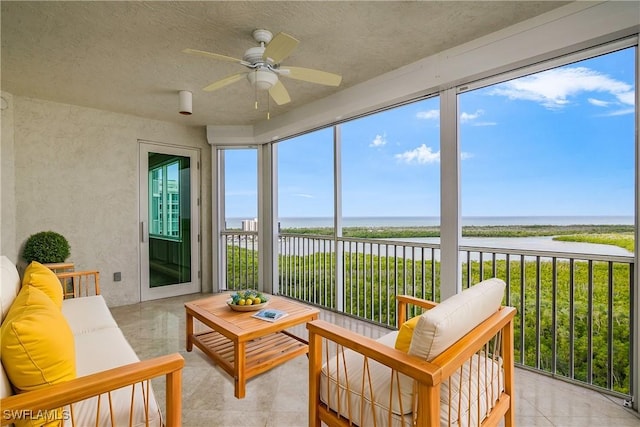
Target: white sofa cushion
(9,288)
(87,314)
(98,351)
(349,372)
(440,327)
(473,388)
(9,285)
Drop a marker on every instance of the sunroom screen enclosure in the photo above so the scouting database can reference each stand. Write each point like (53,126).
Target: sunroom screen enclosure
(577,312)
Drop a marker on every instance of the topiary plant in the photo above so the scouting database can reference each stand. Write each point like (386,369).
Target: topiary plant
(46,247)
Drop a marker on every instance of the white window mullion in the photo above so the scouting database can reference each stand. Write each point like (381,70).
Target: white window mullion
(337,217)
(450,218)
(635,359)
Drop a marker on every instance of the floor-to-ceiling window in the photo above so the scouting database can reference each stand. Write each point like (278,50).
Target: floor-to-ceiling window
(305,182)
(306,217)
(391,168)
(241,223)
(390,186)
(548,165)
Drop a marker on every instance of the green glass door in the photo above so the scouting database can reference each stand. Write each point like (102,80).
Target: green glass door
(169,225)
(168,231)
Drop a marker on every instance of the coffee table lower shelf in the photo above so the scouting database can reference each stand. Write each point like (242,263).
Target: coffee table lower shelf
(260,354)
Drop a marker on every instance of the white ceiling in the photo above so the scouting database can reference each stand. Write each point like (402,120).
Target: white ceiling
(126,56)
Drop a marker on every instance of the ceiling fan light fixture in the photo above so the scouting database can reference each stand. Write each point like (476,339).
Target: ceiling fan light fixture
(262,79)
(186,103)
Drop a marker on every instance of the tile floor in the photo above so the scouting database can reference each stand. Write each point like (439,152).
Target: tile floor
(277,398)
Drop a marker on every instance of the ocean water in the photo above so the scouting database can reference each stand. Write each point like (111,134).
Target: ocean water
(416,221)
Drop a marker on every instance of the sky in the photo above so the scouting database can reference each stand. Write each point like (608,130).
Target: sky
(556,143)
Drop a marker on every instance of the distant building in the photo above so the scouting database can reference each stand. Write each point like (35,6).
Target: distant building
(250,224)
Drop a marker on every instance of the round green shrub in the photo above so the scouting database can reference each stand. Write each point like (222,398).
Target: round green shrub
(46,247)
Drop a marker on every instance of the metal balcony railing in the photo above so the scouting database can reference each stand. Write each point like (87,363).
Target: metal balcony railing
(575,313)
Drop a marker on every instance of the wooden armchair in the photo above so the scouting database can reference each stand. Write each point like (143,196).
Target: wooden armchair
(354,380)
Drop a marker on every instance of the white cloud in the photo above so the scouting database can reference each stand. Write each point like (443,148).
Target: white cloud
(421,155)
(554,88)
(467,117)
(303,195)
(470,118)
(428,115)
(424,155)
(619,112)
(598,102)
(379,141)
(627,98)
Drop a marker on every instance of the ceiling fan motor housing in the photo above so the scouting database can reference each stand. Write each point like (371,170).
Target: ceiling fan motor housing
(253,55)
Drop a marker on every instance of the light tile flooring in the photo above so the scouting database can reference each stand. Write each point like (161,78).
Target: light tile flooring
(277,398)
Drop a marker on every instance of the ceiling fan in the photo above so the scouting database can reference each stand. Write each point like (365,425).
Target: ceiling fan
(263,62)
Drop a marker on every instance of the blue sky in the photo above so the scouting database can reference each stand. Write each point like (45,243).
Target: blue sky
(559,142)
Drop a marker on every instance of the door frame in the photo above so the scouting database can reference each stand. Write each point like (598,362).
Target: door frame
(195,285)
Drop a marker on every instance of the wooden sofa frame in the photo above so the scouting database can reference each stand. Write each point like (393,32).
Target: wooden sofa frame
(170,366)
(428,376)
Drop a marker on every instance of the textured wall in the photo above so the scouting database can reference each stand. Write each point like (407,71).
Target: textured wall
(7,181)
(77,173)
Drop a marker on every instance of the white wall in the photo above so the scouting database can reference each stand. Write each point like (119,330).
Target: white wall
(77,173)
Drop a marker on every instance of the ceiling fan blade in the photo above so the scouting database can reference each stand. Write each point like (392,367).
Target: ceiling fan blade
(213,55)
(313,76)
(224,82)
(279,93)
(280,47)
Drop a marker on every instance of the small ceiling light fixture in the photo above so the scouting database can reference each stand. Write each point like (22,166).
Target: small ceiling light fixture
(262,78)
(186,106)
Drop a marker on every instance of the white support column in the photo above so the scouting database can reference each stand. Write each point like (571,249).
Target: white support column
(267,220)
(635,330)
(218,249)
(450,219)
(337,216)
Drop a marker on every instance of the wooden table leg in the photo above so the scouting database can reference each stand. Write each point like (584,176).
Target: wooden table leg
(240,380)
(189,331)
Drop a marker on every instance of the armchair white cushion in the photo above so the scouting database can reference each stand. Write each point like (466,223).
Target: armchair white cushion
(439,328)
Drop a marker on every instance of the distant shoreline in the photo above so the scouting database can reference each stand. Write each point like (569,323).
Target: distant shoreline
(470,230)
(434,221)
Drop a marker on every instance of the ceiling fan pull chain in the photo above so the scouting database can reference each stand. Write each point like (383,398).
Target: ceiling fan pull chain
(268,107)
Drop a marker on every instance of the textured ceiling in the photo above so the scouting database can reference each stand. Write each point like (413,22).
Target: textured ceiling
(126,56)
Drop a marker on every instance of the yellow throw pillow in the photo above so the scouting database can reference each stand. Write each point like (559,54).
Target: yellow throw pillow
(38,348)
(44,279)
(403,340)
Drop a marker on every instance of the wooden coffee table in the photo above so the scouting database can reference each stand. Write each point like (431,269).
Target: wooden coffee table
(242,345)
